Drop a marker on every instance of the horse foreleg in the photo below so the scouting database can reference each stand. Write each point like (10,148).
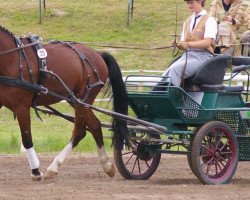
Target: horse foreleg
(78,134)
(94,127)
(23,117)
(52,170)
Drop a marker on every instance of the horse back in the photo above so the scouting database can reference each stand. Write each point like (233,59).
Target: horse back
(73,71)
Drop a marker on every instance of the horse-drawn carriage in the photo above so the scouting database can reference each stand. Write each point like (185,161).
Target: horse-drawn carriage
(205,120)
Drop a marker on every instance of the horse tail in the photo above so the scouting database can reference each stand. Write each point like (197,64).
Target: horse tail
(120,103)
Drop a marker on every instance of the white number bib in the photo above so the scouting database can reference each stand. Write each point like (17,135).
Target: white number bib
(42,53)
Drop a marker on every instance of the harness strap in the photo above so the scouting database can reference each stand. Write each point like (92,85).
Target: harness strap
(20,66)
(85,61)
(89,87)
(23,84)
(22,53)
(41,65)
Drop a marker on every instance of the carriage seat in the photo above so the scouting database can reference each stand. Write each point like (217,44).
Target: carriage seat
(210,75)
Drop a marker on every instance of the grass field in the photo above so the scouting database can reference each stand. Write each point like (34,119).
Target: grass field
(94,21)
(89,21)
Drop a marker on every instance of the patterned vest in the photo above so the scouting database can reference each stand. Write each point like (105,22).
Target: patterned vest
(198,32)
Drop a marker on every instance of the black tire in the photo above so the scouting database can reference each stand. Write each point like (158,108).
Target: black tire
(132,164)
(215,153)
(189,157)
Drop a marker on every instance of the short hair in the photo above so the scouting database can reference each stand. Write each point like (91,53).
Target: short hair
(202,2)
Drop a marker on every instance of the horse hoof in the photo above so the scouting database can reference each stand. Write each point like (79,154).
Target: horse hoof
(111,173)
(37,177)
(50,175)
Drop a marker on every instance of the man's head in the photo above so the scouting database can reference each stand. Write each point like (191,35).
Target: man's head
(202,2)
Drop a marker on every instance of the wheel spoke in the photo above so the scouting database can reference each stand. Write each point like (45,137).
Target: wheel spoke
(219,140)
(129,159)
(203,146)
(123,154)
(218,163)
(208,167)
(138,163)
(226,152)
(147,164)
(223,146)
(134,164)
(216,167)
(204,156)
(206,163)
(224,161)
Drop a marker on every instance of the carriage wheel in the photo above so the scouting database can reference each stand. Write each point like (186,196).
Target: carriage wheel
(140,160)
(215,153)
(189,157)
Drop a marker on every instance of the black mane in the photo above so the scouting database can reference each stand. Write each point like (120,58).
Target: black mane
(6,30)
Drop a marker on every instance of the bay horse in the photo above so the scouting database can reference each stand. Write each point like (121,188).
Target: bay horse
(83,70)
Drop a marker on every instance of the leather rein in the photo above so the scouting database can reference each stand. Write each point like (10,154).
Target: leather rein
(18,48)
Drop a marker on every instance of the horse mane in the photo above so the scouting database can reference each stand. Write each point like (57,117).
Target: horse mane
(6,30)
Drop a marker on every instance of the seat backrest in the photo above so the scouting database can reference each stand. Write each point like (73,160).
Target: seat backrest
(212,71)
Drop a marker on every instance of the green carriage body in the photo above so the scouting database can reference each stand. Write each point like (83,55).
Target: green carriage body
(177,108)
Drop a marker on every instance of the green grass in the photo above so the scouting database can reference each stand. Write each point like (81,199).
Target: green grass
(89,21)
(102,22)
(50,135)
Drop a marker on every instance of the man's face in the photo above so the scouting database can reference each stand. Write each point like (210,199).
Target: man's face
(194,5)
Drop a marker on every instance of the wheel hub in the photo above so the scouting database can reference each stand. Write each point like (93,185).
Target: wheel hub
(217,154)
(145,150)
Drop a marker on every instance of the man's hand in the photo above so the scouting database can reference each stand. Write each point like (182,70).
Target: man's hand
(228,18)
(183,46)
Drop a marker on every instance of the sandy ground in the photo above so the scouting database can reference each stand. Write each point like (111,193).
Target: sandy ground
(81,177)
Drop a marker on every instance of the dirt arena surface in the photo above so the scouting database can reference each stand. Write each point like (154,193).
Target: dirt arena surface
(81,177)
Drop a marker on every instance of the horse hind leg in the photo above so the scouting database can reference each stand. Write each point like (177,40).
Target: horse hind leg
(23,117)
(94,126)
(78,133)
(83,117)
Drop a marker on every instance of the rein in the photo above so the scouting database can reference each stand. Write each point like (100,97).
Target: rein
(18,48)
(123,46)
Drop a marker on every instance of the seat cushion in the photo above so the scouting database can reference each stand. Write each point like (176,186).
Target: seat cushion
(212,71)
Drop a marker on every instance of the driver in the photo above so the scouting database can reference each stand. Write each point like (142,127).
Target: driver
(197,39)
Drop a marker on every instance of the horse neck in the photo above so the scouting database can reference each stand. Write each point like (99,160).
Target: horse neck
(7,42)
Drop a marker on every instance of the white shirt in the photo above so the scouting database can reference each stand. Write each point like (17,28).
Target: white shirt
(211,27)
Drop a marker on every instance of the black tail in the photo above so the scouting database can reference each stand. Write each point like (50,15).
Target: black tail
(120,103)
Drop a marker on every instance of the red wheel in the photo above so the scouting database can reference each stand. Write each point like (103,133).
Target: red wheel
(140,160)
(215,153)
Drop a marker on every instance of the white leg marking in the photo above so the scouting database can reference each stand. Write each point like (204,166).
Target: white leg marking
(60,158)
(32,157)
(108,167)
